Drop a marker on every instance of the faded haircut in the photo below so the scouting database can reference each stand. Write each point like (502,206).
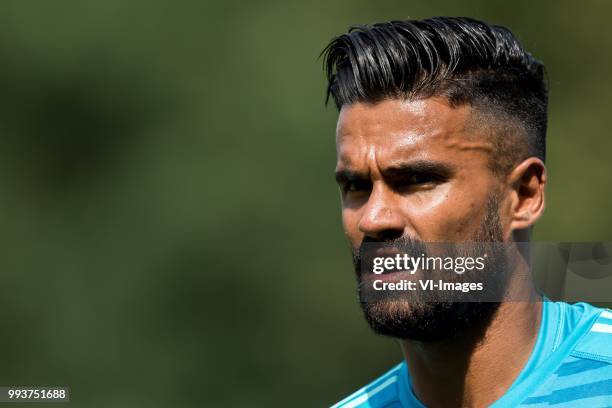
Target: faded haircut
(461,59)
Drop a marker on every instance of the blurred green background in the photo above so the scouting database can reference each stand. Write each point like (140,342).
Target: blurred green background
(170,226)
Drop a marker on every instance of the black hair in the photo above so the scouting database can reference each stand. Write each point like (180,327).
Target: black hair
(465,60)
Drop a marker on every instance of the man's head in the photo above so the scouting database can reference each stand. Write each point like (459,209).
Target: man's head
(440,138)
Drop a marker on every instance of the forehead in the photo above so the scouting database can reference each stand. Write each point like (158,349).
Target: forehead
(394,130)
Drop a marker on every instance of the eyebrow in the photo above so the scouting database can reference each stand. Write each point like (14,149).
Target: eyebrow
(419,167)
(345,176)
(398,170)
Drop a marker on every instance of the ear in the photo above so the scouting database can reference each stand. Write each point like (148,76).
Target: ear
(527,182)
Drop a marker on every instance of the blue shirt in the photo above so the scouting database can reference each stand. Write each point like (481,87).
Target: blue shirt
(570,366)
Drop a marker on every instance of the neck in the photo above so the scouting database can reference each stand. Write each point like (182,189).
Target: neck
(474,370)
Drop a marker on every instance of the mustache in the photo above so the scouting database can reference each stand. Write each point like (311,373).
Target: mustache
(368,245)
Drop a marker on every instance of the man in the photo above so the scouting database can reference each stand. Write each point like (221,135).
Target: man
(441,138)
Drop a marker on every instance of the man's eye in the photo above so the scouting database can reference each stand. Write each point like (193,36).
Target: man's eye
(356,186)
(419,180)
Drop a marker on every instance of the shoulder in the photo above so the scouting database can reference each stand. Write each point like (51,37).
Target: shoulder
(380,393)
(584,376)
(596,343)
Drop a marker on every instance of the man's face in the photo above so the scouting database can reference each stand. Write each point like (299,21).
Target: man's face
(417,171)
(413,169)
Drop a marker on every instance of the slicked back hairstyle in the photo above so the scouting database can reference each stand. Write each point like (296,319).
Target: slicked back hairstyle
(464,60)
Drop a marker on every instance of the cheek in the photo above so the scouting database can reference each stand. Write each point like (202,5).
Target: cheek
(350,223)
(446,214)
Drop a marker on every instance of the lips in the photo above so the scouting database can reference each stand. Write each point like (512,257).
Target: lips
(392,276)
(387,251)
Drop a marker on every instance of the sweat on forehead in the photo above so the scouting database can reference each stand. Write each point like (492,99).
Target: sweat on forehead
(409,127)
(399,128)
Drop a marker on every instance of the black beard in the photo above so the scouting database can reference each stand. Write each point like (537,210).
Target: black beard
(429,316)
(428,322)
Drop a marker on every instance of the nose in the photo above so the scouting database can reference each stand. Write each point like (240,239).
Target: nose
(381,218)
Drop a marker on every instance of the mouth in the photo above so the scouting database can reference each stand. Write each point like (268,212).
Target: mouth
(387,251)
(389,276)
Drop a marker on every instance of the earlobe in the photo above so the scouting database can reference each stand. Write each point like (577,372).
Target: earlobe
(528,181)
